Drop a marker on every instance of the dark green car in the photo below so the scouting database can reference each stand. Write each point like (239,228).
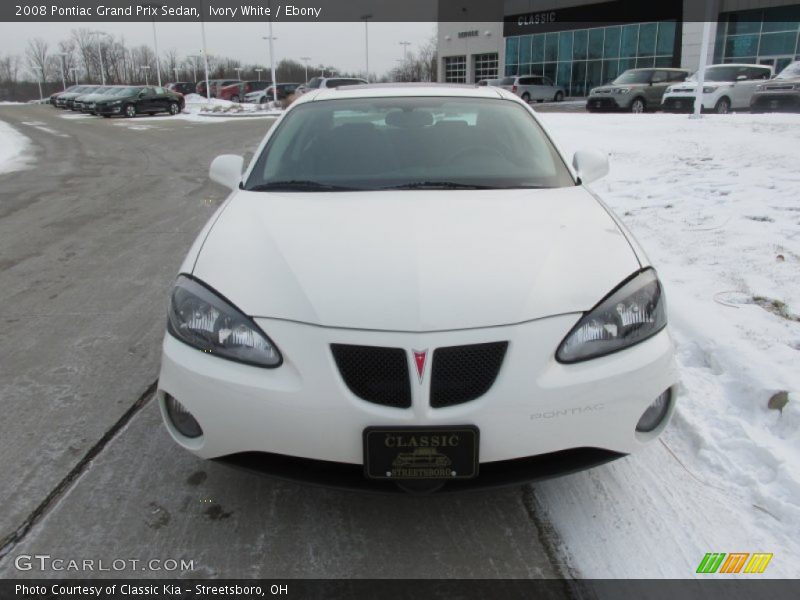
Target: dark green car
(137,100)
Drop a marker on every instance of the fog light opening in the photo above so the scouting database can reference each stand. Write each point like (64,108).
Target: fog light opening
(181,418)
(655,413)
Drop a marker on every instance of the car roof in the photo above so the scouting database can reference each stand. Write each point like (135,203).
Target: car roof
(738,65)
(389,90)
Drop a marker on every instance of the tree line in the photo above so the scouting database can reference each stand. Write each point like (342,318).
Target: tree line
(90,56)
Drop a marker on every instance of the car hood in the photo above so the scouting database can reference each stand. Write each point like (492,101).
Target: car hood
(415,260)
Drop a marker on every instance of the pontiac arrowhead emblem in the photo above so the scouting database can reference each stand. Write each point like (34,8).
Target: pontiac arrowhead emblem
(419,362)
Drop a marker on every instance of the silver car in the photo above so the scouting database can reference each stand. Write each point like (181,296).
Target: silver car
(636,90)
(328,82)
(529,87)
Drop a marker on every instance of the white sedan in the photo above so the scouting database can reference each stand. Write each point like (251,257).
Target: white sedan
(411,287)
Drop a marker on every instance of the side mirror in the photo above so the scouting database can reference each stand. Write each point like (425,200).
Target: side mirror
(226,170)
(590,165)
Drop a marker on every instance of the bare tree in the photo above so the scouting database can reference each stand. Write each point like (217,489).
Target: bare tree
(9,76)
(84,42)
(36,55)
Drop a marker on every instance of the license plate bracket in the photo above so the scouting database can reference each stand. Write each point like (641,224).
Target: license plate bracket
(404,453)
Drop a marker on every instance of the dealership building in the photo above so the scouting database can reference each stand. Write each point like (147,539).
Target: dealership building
(580,44)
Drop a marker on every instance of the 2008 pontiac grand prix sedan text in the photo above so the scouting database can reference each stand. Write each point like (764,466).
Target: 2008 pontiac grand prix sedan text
(412,286)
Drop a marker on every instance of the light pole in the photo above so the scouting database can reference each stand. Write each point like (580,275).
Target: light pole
(146,69)
(322,69)
(176,73)
(258,72)
(366,19)
(405,46)
(74,71)
(39,81)
(305,59)
(155,8)
(238,72)
(63,56)
(100,52)
(270,37)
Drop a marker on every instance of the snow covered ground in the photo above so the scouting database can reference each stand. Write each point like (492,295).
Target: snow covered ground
(716,204)
(199,108)
(15,149)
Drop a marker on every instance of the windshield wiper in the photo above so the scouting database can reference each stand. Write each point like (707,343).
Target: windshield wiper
(438,185)
(300,185)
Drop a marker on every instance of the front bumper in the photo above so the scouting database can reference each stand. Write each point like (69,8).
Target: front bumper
(777,101)
(303,409)
(608,102)
(103,109)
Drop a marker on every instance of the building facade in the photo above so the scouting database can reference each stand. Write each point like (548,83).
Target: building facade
(584,43)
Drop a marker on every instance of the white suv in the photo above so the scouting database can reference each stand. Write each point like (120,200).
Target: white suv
(726,87)
(329,82)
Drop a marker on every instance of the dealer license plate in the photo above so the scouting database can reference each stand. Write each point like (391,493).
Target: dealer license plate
(421,452)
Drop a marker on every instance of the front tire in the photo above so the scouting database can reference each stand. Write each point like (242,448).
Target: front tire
(174,109)
(558,97)
(129,111)
(723,106)
(638,106)
(526,98)
(262,100)
(235,99)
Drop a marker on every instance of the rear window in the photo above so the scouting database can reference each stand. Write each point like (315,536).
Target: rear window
(381,143)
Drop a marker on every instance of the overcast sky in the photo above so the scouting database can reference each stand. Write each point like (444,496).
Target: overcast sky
(337,44)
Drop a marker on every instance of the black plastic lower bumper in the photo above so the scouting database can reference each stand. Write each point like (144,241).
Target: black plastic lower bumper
(776,103)
(351,476)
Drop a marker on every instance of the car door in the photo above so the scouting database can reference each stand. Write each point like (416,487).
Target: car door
(744,89)
(160,99)
(658,85)
(145,101)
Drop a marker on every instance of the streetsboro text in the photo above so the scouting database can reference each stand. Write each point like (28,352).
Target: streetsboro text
(122,11)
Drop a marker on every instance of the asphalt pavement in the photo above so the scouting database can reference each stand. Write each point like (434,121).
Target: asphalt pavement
(91,238)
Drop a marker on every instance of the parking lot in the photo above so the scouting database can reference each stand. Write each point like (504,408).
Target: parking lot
(90,241)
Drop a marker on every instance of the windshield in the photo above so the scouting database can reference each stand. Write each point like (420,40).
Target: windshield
(629,77)
(791,71)
(314,83)
(413,142)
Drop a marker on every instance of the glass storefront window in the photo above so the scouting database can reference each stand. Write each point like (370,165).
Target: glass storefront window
(564,45)
(611,44)
(746,21)
(537,48)
(581,59)
(777,43)
(551,47)
(580,45)
(647,39)
(596,42)
(455,69)
(666,38)
(630,39)
(741,45)
(781,18)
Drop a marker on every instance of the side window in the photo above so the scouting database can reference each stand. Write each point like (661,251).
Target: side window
(526,81)
(547,81)
(756,73)
(658,77)
(677,76)
(160,90)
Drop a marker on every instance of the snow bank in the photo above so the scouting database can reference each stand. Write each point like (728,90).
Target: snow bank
(15,149)
(715,204)
(198,108)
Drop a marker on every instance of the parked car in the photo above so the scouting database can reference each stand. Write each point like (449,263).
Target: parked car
(779,94)
(138,100)
(68,100)
(69,90)
(636,90)
(236,91)
(531,87)
(267,94)
(218,84)
(181,87)
(548,354)
(328,82)
(82,102)
(726,87)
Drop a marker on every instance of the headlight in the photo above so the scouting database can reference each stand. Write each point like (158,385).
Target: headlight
(201,318)
(669,90)
(115,102)
(760,88)
(621,90)
(630,314)
(709,89)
